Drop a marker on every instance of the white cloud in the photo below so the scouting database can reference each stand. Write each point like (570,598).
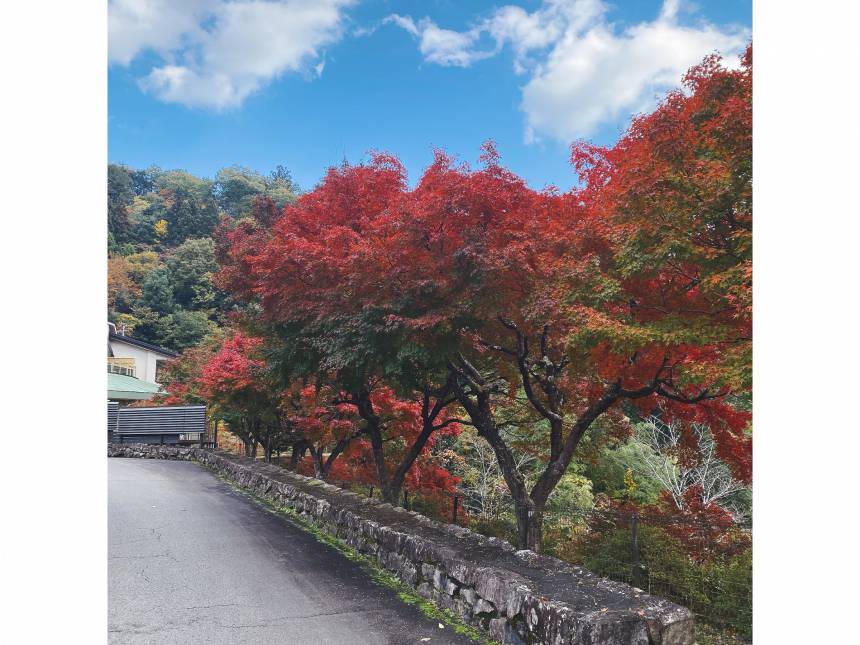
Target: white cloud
(216,53)
(447,47)
(525,31)
(584,71)
(135,26)
(601,75)
(404,22)
(442,46)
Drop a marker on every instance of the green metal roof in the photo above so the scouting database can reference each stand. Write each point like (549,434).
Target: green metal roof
(128,388)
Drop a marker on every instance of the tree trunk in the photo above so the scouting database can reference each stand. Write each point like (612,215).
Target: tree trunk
(338,449)
(391,493)
(529,527)
(475,396)
(319,467)
(299,449)
(391,487)
(374,431)
(395,485)
(255,434)
(381,472)
(529,514)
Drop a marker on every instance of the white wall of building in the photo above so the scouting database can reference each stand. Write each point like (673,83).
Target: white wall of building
(144,359)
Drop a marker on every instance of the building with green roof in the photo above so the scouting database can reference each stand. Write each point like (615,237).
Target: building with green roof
(128,388)
(133,367)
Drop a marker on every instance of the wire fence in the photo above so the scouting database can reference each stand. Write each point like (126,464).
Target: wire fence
(702,565)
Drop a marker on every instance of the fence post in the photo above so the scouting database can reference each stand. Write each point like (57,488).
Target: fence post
(406,499)
(371,492)
(456,504)
(634,531)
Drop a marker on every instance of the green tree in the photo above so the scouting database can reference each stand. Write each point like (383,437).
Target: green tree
(125,322)
(145,323)
(189,216)
(280,187)
(184,329)
(235,188)
(143,181)
(173,181)
(573,494)
(606,460)
(120,197)
(140,264)
(191,266)
(148,210)
(158,291)
(138,206)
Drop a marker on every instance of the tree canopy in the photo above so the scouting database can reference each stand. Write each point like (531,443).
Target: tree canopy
(368,323)
(626,296)
(161,246)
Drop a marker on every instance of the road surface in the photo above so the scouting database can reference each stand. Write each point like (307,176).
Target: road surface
(193,561)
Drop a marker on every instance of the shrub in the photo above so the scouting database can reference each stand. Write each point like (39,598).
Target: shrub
(731,600)
(501,526)
(719,591)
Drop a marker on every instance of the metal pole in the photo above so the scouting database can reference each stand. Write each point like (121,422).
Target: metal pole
(371,492)
(406,499)
(634,530)
(456,504)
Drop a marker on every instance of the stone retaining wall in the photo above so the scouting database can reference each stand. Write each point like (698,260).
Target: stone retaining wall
(517,596)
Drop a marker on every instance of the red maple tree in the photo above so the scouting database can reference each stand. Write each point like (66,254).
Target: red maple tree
(239,384)
(474,290)
(301,272)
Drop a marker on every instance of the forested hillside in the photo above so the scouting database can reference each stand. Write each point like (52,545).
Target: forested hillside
(161,253)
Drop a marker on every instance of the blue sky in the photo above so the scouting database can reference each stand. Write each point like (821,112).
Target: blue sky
(203,84)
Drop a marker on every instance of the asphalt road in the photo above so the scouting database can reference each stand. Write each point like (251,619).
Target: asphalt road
(193,561)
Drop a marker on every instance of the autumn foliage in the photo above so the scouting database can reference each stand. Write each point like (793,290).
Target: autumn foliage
(386,317)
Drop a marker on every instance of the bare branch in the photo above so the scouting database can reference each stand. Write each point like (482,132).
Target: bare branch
(703,395)
(543,341)
(497,348)
(510,324)
(448,422)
